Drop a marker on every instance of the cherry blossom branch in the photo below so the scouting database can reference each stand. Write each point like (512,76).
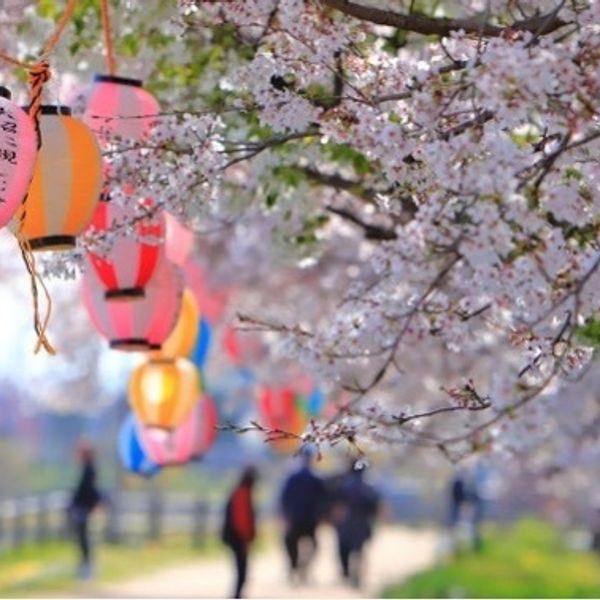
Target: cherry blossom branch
(539,24)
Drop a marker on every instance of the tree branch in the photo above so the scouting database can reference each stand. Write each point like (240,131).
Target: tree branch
(539,24)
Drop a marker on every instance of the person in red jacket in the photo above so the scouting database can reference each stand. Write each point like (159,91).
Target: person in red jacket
(239,525)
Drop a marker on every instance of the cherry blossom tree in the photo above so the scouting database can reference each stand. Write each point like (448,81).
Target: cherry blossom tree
(405,196)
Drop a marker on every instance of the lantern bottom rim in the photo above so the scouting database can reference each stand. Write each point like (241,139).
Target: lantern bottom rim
(125,294)
(53,242)
(129,344)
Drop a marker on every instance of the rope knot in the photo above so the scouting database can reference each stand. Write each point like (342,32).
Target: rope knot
(39,74)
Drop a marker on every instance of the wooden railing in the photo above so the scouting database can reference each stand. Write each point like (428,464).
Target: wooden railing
(125,517)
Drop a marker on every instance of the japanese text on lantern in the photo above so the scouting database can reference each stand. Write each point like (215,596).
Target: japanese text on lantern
(8,153)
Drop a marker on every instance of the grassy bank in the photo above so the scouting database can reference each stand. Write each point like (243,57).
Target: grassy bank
(49,568)
(527,560)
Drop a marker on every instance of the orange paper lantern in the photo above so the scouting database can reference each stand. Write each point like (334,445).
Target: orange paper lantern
(66,182)
(162,393)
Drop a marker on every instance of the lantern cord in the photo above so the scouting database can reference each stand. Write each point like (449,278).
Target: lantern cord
(111,63)
(38,76)
(40,325)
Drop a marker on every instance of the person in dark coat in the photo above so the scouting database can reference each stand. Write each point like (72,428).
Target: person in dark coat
(354,512)
(301,503)
(239,526)
(84,500)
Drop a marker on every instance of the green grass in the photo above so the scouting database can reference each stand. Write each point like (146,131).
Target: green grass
(49,568)
(527,560)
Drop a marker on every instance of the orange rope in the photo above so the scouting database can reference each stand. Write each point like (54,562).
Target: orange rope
(60,27)
(111,63)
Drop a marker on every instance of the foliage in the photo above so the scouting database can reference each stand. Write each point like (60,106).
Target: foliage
(526,560)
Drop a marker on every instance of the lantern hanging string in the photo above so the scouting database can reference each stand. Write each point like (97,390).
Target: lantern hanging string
(111,63)
(40,325)
(38,76)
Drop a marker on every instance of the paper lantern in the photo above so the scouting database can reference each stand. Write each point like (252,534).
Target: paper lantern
(121,107)
(140,325)
(314,403)
(18,150)
(213,302)
(188,441)
(278,409)
(66,182)
(291,444)
(179,240)
(202,346)
(163,392)
(131,260)
(183,337)
(131,452)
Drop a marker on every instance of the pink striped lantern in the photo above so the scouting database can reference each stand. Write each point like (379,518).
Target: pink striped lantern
(131,259)
(18,152)
(120,107)
(190,441)
(140,325)
(179,240)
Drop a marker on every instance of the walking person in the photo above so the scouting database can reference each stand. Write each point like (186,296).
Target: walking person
(85,499)
(355,509)
(301,503)
(239,526)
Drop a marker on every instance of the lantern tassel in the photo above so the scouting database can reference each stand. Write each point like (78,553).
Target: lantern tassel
(40,325)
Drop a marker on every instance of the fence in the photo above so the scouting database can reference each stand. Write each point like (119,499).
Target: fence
(127,517)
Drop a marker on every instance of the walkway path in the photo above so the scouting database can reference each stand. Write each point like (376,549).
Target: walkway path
(395,553)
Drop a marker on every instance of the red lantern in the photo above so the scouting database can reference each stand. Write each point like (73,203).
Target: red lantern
(18,150)
(131,259)
(277,407)
(120,106)
(140,325)
(278,411)
(188,441)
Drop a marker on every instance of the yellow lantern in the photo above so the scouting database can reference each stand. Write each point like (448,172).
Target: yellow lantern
(65,188)
(182,339)
(162,393)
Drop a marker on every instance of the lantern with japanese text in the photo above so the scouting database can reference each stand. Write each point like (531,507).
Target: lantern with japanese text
(67,179)
(140,325)
(130,261)
(189,441)
(18,150)
(162,392)
(131,452)
(120,107)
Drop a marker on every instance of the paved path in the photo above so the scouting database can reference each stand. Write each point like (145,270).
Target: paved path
(395,553)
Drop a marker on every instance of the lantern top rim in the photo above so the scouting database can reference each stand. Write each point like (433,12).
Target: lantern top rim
(100,77)
(5,92)
(52,109)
